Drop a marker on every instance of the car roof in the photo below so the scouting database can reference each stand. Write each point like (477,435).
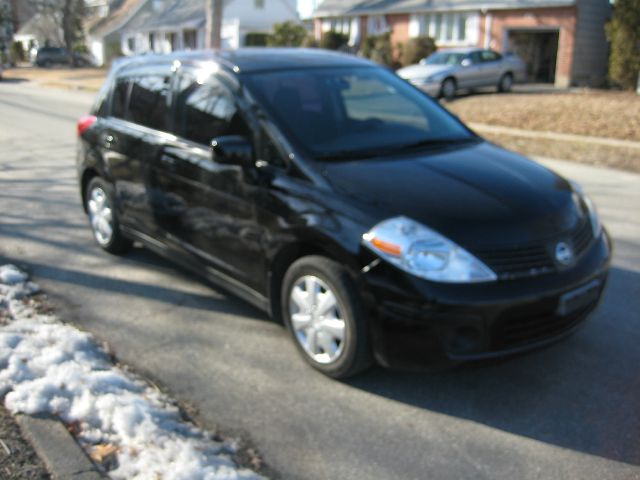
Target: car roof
(247,60)
(460,50)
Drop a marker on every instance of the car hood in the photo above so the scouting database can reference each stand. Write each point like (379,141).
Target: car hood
(423,71)
(478,195)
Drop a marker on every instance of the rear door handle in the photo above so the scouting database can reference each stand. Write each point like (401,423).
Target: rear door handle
(109,140)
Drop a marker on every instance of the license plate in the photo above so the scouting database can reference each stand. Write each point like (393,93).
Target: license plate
(579,298)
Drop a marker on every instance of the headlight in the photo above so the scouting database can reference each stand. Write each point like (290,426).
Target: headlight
(594,218)
(425,253)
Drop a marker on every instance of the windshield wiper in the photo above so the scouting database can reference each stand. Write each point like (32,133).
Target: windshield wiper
(349,155)
(429,142)
(389,150)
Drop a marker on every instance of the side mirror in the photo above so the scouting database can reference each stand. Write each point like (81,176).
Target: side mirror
(232,150)
(466,62)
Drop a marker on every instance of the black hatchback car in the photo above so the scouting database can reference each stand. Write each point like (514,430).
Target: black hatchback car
(344,202)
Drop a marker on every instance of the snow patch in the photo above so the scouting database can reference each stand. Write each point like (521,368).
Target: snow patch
(50,367)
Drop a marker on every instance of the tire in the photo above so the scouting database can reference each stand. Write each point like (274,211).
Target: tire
(343,355)
(99,205)
(505,83)
(448,89)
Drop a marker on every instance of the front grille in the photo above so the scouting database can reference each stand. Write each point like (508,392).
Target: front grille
(581,238)
(534,260)
(518,262)
(519,330)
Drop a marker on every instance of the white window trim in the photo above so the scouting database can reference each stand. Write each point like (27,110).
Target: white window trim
(418,26)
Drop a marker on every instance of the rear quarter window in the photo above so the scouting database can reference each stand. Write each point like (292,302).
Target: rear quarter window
(120,98)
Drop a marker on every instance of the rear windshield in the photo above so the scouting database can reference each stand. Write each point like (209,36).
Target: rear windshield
(333,112)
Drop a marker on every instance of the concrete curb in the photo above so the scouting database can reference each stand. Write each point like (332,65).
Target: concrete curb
(60,453)
(563,137)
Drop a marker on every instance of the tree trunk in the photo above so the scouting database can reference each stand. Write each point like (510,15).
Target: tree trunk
(68,27)
(213,34)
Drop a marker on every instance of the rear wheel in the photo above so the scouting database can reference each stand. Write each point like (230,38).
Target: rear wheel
(322,311)
(448,89)
(506,83)
(103,217)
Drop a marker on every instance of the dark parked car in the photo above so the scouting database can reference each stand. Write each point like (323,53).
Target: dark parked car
(343,201)
(50,56)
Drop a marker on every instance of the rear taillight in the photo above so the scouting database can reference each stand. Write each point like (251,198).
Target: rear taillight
(85,122)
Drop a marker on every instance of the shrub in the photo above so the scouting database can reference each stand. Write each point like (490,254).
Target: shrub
(416,49)
(256,39)
(309,42)
(17,52)
(333,40)
(624,34)
(81,48)
(287,34)
(379,49)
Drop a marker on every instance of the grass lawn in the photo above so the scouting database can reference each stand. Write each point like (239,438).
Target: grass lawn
(589,112)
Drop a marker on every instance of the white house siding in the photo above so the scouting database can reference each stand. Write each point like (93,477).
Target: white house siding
(239,18)
(591,50)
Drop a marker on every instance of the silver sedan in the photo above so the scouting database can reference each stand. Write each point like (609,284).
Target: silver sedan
(447,71)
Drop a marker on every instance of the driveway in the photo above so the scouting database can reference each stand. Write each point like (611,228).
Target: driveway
(569,411)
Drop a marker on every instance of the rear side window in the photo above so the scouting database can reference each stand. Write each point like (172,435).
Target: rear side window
(205,110)
(148,101)
(490,56)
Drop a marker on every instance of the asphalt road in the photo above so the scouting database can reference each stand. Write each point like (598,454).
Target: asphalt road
(569,411)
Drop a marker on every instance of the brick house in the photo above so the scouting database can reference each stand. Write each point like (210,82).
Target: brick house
(562,41)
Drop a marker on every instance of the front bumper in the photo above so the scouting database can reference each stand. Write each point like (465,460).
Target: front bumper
(416,323)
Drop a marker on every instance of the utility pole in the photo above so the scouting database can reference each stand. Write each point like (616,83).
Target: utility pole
(213,32)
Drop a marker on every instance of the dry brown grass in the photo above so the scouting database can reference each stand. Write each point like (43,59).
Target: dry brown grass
(72,78)
(589,112)
(604,156)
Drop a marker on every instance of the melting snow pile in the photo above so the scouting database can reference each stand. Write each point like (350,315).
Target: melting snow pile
(50,367)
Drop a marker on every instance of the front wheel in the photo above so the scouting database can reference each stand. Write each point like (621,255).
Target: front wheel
(323,313)
(103,217)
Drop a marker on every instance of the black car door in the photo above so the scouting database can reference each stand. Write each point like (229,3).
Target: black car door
(206,208)
(132,138)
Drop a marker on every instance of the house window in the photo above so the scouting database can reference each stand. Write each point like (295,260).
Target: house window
(451,28)
(190,39)
(172,41)
(131,44)
(377,25)
(339,25)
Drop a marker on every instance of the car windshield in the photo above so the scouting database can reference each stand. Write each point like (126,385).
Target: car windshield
(335,113)
(445,58)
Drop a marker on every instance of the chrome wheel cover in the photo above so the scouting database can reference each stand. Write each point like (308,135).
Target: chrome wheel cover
(100,216)
(316,319)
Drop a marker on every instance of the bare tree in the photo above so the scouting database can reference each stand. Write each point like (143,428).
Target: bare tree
(213,35)
(68,16)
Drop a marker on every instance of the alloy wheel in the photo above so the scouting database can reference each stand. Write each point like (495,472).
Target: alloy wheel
(100,216)
(316,319)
